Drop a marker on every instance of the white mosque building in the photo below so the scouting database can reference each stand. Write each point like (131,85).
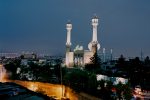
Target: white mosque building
(79,56)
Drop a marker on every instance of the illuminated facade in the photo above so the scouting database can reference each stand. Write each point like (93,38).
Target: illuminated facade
(79,56)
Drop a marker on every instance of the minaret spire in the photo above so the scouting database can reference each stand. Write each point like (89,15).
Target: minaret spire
(69,55)
(95,24)
(94,45)
(69,28)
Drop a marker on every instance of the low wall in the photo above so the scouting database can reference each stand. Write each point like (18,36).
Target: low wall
(55,90)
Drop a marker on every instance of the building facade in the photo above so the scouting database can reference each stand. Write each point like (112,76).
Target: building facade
(79,56)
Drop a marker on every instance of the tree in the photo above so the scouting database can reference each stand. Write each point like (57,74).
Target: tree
(101,83)
(109,85)
(127,94)
(22,56)
(92,83)
(12,67)
(123,91)
(136,71)
(94,65)
(77,79)
(95,60)
(121,64)
(119,90)
(147,61)
(34,69)
(146,72)
(105,90)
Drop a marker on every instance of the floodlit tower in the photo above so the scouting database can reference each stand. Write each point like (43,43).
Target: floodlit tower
(69,54)
(68,42)
(94,45)
(95,24)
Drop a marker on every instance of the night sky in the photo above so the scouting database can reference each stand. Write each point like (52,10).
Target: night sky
(39,25)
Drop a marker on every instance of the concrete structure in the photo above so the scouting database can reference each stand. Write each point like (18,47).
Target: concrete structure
(80,57)
(114,80)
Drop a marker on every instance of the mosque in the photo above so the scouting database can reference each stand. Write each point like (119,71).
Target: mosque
(79,56)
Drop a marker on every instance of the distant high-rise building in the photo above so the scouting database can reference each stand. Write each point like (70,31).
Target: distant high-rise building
(28,55)
(9,55)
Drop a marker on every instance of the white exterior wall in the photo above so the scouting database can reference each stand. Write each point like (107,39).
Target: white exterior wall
(115,80)
(69,59)
(87,56)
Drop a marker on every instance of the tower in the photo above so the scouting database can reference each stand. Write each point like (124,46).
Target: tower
(69,54)
(68,42)
(94,45)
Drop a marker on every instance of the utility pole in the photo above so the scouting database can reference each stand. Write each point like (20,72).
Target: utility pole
(61,81)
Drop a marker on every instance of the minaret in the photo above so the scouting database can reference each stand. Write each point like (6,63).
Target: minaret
(68,42)
(95,24)
(94,45)
(69,58)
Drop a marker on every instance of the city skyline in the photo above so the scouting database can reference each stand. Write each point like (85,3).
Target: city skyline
(39,26)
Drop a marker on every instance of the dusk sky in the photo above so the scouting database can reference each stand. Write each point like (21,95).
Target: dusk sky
(40,25)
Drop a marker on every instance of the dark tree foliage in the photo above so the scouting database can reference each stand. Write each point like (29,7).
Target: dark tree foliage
(123,91)
(22,56)
(95,60)
(119,90)
(137,71)
(77,79)
(94,65)
(147,61)
(44,73)
(127,93)
(105,90)
(12,68)
(146,73)
(58,69)
(121,65)
(92,83)
(34,69)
